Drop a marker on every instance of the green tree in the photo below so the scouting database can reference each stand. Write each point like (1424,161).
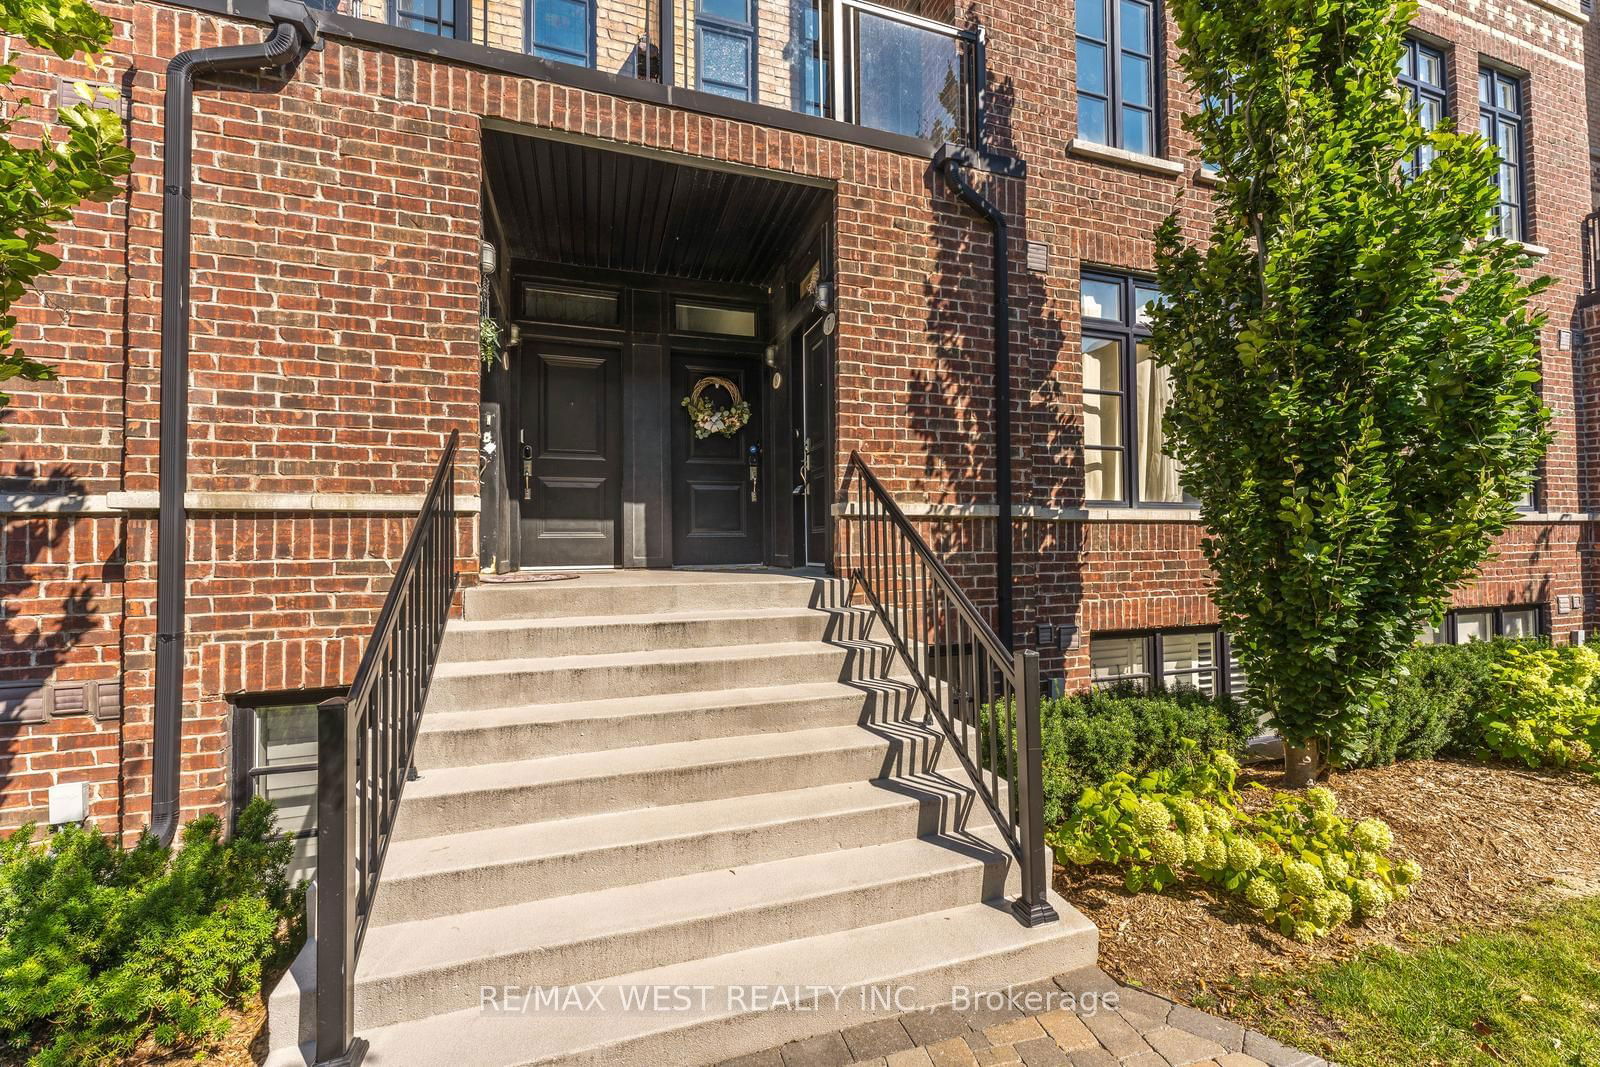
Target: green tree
(41,183)
(1354,362)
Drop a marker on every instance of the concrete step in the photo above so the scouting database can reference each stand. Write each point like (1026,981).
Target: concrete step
(587,635)
(459,799)
(496,735)
(434,966)
(473,685)
(435,876)
(838,979)
(650,592)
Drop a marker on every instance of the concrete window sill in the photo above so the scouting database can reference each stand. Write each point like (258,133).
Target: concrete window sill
(1532,249)
(1121,157)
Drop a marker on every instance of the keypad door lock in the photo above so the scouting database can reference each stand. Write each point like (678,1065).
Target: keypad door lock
(527,472)
(752,466)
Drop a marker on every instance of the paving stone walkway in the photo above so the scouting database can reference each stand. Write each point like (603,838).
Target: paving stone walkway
(1109,1026)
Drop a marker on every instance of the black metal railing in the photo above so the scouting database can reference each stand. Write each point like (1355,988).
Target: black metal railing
(985,697)
(364,748)
(1591,253)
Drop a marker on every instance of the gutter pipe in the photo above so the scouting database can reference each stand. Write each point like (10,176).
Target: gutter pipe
(951,162)
(294,32)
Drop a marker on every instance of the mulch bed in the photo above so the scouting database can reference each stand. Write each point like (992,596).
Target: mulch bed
(1489,838)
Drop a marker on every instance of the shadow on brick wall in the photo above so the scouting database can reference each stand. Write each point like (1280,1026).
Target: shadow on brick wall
(952,403)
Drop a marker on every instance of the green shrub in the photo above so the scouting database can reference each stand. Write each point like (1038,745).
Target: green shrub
(1433,705)
(1088,737)
(101,946)
(1543,711)
(1300,865)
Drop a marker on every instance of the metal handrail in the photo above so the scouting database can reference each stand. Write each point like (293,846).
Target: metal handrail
(365,742)
(968,677)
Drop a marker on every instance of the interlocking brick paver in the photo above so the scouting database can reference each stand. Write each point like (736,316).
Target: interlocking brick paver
(1115,1033)
(1014,1032)
(877,1038)
(825,1050)
(1229,1035)
(1143,1030)
(1093,1057)
(952,1052)
(1068,1030)
(1181,1047)
(1041,1052)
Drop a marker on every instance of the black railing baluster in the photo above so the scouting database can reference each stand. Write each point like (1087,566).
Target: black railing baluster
(984,696)
(366,743)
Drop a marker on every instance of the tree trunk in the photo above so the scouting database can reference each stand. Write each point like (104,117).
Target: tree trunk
(1300,764)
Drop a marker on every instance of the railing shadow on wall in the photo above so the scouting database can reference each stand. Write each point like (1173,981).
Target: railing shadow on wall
(366,738)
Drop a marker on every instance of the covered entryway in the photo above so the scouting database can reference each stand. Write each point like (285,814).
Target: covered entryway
(663,318)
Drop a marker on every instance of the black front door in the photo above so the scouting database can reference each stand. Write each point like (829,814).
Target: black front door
(715,520)
(815,445)
(568,467)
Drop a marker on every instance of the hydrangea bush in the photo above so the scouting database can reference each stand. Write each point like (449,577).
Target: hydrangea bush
(1544,712)
(1301,865)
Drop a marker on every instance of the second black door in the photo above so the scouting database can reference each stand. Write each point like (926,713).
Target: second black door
(715,521)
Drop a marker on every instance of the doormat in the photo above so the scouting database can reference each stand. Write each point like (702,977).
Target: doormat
(519,577)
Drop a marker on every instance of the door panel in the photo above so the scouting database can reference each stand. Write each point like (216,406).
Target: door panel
(571,400)
(714,521)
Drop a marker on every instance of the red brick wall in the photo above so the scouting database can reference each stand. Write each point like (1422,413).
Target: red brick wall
(337,221)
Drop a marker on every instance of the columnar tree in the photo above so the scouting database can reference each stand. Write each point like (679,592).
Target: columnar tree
(1355,365)
(43,179)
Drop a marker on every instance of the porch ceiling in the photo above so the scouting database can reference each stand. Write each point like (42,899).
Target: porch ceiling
(583,206)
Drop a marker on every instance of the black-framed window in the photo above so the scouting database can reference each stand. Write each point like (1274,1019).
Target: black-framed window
(1500,120)
(1466,625)
(275,756)
(1187,658)
(437,17)
(725,47)
(562,30)
(1125,394)
(1422,77)
(1117,93)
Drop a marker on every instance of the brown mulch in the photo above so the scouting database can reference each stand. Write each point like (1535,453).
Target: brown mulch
(1487,837)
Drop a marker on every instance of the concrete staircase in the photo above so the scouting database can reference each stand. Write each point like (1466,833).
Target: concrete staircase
(687,781)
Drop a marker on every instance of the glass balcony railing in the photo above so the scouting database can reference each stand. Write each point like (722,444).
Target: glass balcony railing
(890,69)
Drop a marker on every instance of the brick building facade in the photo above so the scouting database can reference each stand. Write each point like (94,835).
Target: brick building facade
(339,213)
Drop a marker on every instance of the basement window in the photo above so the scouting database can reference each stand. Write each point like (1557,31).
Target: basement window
(1193,658)
(1466,625)
(275,756)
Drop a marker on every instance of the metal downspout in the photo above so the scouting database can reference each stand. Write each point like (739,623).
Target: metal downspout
(293,33)
(950,163)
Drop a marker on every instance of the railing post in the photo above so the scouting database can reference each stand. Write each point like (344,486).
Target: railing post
(1033,905)
(336,1043)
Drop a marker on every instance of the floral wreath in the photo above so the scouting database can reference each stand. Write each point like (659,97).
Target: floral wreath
(707,418)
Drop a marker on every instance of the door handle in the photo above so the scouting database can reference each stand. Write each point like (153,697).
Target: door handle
(527,472)
(752,466)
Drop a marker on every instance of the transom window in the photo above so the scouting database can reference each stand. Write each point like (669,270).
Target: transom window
(1173,659)
(1125,395)
(1117,73)
(1422,77)
(1466,625)
(1501,123)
